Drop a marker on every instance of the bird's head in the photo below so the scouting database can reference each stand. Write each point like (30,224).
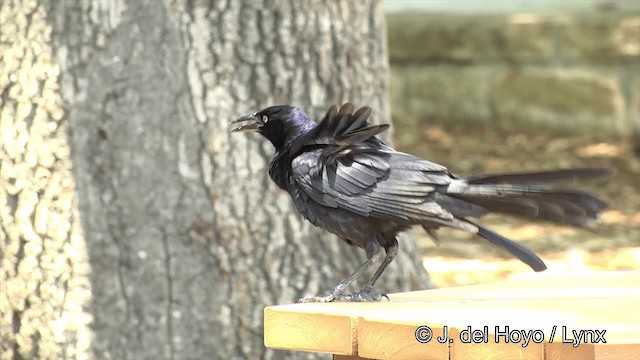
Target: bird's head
(280,124)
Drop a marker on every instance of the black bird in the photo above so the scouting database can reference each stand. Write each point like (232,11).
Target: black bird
(344,179)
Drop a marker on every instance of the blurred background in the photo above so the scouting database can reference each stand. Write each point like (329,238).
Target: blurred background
(134,226)
(518,85)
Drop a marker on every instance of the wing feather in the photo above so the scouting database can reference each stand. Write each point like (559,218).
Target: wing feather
(381,192)
(341,163)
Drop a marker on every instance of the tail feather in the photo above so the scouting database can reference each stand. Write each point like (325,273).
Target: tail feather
(591,204)
(545,206)
(529,195)
(519,251)
(539,177)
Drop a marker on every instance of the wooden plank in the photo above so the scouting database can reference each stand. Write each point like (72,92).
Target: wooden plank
(601,301)
(560,351)
(602,284)
(617,351)
(398,320)
(384,340)
(491,350)
(308,330)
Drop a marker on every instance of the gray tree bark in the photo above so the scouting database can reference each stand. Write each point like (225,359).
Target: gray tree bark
(187,238)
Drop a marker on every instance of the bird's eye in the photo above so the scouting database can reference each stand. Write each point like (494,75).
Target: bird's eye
(265,118)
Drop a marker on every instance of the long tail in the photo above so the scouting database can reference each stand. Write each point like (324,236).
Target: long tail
(529,195)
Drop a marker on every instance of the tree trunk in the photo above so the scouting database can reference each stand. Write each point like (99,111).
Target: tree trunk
(44,284)
(187,237)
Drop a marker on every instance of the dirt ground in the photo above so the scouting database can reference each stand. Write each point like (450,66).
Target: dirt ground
(613,242)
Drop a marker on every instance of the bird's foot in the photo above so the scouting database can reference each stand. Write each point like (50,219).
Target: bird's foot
(328,297)
(365,295)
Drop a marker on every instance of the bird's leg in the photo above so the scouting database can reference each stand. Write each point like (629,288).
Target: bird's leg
(391,251)
(367,294)
(373,255)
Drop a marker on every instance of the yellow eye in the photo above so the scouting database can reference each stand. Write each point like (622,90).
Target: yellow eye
(265,118)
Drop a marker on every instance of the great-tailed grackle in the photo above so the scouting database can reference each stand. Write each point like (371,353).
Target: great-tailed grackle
(344,179)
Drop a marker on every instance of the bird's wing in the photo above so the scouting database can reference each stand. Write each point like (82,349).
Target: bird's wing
(382,184)
(344,165)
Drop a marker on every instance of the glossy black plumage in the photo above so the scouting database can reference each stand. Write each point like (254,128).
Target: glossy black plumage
(344,179)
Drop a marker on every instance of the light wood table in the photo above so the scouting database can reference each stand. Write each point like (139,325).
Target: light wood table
(605,306)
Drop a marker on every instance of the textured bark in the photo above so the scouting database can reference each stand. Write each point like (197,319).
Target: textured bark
(44,284)
(187,237)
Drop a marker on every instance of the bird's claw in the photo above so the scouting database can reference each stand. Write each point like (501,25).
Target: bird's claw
(329,297)
(365,295)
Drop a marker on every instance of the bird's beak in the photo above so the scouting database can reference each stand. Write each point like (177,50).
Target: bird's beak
(252,123)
